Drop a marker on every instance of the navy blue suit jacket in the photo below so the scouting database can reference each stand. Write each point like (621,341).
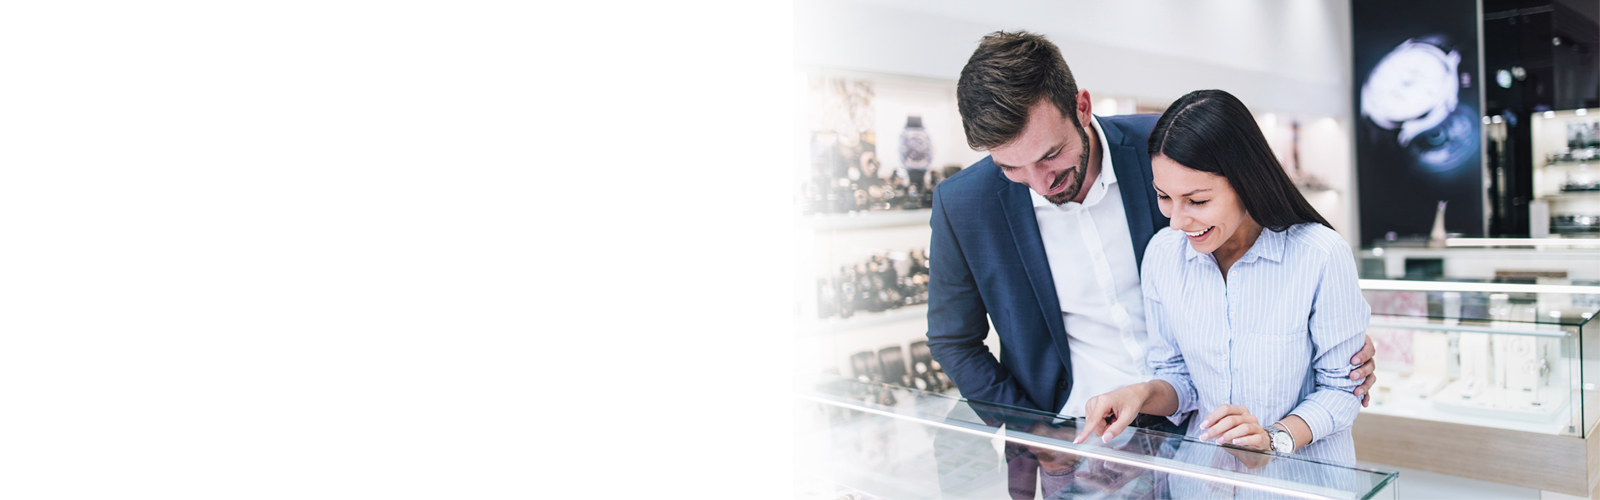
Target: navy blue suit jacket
(987,259)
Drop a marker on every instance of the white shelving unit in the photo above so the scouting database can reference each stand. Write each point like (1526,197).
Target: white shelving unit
(833,326)
(866,220)
(1549,134)
(829,241)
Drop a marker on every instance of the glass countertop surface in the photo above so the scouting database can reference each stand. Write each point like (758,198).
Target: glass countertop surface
(869,440)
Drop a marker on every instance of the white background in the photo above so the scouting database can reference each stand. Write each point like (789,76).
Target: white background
(392,249)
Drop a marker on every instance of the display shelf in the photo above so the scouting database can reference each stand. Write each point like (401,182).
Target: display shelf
(1570,194)
(1422,408)
(866,220)
(1485,258)
(1535,330)
(863,320)
(1551,242)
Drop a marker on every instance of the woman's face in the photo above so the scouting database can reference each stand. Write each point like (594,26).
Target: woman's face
(1201,204)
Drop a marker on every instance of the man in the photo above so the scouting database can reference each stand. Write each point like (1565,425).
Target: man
(1044,239)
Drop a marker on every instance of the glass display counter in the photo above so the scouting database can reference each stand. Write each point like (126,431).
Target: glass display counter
(861,440)
(1484,378)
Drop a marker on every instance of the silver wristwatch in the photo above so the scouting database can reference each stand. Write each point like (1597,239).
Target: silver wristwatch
(1282,441)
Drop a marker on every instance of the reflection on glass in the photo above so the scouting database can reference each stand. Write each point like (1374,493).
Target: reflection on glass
(928,445)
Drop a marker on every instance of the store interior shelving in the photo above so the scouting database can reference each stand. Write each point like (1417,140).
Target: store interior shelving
(1563,149)
(831,326)
(833,240)
(866,220)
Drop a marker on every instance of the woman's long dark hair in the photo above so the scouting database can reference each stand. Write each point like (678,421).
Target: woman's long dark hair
(1211,131)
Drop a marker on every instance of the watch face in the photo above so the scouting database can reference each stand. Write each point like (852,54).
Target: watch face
(1281,442)
(1410,82)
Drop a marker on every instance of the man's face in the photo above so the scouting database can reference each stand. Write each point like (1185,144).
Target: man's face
(1051,156)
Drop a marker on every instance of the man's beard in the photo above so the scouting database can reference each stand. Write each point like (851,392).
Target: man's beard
(1075,174)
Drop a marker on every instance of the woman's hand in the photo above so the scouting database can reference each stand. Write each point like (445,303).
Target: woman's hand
(1110,413)
(1233,424)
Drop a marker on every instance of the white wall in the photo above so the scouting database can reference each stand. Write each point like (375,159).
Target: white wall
(936,104)
(1283,56)
(1325,149)
(1291,58)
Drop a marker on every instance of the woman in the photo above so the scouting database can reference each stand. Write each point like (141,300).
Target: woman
(1251,299)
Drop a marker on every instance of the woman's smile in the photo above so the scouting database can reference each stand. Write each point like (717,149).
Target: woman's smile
(1201,235)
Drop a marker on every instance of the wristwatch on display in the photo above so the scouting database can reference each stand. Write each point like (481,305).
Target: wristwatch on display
(1282,442)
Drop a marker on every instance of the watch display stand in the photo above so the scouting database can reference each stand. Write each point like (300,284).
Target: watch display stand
(1510,387)
(866,367)
(926,374)
(894,366)
(1430,371)
(1475,371)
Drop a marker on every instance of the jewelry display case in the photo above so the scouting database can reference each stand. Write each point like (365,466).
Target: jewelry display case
(1474,369)
(868,441)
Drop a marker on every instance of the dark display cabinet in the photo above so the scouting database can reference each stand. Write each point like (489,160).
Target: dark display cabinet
(1539,56)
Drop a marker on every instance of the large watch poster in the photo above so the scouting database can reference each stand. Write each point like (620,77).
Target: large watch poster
(1417,118)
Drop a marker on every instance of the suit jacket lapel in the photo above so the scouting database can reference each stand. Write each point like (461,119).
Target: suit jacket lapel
(1018,207)
(1134,184)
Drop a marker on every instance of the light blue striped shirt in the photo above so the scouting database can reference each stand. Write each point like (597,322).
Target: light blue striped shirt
(1276,337)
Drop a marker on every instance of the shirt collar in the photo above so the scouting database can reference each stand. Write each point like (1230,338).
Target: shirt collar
(1106,179)
(1269,245)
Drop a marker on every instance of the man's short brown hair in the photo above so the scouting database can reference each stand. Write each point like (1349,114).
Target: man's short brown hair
(1005,77)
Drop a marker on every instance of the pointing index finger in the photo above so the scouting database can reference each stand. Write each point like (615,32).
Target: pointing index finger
(1094,419)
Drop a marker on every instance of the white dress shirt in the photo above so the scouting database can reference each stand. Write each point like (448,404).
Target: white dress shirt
(1097,281)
